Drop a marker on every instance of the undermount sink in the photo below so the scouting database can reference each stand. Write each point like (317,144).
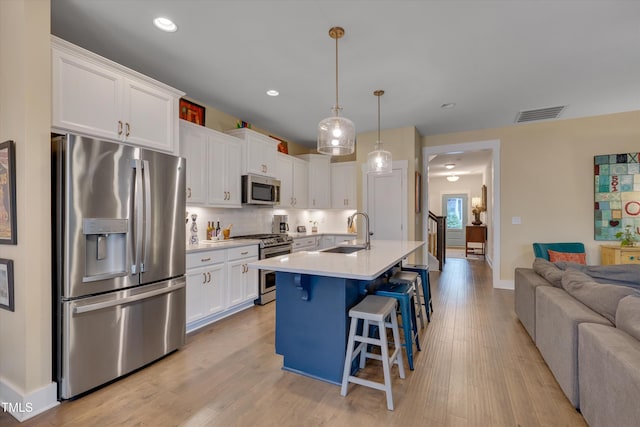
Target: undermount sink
(343,249)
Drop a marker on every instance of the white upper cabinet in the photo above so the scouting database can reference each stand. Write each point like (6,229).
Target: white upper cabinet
(213,166)
(293,174)
(258,152)
(343,185)
(97,97)
(319,180)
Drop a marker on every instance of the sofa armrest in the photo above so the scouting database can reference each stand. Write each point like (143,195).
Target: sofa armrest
(526,281)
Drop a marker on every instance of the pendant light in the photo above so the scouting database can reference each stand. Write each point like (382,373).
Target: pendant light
(379,160)
(336,135)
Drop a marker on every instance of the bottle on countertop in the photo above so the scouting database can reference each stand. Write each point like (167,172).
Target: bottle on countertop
(218,230)
(209,230)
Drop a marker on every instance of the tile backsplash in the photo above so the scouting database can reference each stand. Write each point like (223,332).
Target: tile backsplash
(254,220)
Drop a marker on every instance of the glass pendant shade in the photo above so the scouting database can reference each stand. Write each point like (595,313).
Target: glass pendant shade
(336,136)
(379,160)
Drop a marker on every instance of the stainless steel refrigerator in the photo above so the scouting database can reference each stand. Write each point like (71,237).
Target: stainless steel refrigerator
(118,260)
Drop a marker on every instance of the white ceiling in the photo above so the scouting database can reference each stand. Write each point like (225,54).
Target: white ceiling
(492,58)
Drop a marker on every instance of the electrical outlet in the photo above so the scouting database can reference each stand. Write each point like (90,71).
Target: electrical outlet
(516,220)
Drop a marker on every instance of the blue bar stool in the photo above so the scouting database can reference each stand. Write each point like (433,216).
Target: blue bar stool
(404,293)
(380,312)
(423,271)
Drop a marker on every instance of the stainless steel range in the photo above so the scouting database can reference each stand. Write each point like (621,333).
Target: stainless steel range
(271,245)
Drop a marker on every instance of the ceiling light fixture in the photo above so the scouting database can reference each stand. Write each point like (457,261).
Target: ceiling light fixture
(336,135)
(165,24)
(450,165)
(379,160)
(453,178)
(273,92)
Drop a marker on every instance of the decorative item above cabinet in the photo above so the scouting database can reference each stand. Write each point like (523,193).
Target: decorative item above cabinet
(98,97)
(258,152)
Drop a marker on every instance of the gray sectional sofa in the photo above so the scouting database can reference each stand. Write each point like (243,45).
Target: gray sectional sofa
(585,321)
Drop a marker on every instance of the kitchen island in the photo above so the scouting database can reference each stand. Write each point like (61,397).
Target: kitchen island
(314,292)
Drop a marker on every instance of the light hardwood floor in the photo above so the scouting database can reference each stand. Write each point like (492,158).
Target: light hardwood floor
(478,367)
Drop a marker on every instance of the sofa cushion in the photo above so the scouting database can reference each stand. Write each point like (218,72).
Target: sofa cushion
(577,257)
(620,274)
(599,297)
(628,315)
(549,271)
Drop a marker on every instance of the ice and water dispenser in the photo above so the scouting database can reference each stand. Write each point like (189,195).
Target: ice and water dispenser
(106,248)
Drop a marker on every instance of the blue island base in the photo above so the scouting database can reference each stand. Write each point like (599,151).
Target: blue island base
(312,322)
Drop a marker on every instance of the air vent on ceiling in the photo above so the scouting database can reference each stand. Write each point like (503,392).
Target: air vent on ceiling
(539,114)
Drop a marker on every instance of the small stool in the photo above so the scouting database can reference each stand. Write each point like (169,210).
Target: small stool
(423,270)
(404,294)
(374,309)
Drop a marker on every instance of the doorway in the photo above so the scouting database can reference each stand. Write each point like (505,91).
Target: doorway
(454,206)
(494,219)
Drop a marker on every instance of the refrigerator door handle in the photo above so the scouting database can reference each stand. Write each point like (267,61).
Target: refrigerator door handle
(138,214)
(121,301)
(147,213)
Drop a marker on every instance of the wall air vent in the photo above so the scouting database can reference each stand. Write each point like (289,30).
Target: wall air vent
(539,114)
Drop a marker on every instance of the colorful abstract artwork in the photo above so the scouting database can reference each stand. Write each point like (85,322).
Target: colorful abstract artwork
(617,194)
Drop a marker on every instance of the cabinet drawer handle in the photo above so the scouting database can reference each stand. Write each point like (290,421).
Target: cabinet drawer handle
(188,192)
(205,259)
(244,253)
(204,278)
(119,127)
(209,276)
(128,128)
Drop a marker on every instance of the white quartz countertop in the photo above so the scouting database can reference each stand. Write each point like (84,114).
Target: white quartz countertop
(362,265)
(205,245)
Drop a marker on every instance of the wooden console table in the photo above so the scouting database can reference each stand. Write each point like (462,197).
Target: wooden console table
(616,254)
(476,234)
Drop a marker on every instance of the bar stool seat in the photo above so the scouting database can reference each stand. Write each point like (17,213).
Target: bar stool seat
(411,278)
(404,294)
(381,312)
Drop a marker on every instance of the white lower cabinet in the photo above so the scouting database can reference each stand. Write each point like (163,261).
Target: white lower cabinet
(243,281)
(326,241)
(219,284)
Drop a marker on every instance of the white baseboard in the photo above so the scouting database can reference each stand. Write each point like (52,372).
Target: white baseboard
(22,407)
(503,284)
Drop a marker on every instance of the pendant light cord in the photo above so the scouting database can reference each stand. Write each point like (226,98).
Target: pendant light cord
(379,119)
(337,105)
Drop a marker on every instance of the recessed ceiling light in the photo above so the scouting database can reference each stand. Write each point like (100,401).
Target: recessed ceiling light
(450,165)
(273,92)
(448,105)
(165,24)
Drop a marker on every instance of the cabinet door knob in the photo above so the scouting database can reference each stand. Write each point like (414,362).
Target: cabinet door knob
(119,127)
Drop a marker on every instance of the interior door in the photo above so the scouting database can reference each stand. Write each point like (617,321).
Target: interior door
(454,207)
(384,206)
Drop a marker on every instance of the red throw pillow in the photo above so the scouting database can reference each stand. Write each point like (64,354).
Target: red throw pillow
(579,258)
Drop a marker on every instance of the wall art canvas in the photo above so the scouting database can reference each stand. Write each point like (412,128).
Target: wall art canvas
(617,194)
(8,225)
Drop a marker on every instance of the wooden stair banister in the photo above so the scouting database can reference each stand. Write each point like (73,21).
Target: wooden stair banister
(436,232)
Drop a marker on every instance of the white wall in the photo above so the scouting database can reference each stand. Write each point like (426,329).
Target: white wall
(25,117)
(470,185)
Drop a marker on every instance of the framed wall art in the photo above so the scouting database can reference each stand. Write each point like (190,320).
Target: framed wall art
(418,195)
(616,194)
(192,112)
(8,226)
(6,284)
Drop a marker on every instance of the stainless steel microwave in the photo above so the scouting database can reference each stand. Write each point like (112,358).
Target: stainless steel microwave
(260,190)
